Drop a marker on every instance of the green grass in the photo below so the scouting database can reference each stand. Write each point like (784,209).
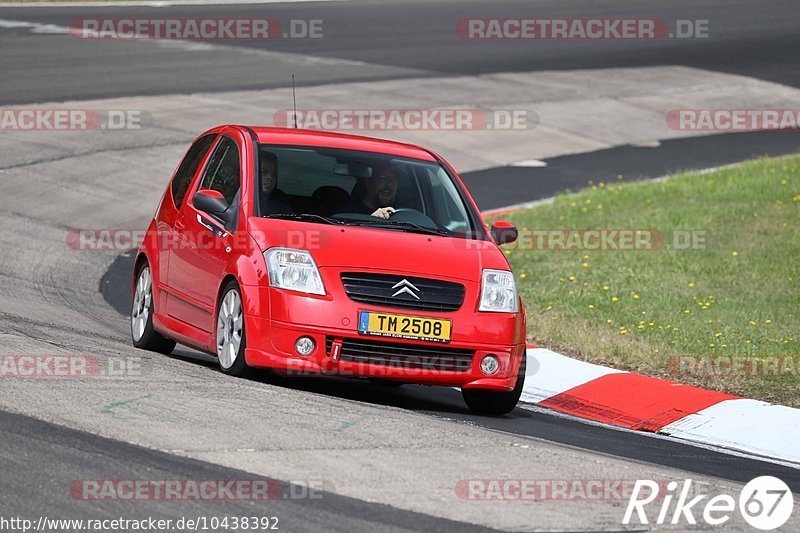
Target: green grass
(639,310)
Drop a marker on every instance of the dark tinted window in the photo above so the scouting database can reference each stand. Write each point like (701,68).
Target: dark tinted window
(350,185)
(222,172)
(188,168)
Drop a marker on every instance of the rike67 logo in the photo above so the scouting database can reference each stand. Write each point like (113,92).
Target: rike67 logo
(766,503)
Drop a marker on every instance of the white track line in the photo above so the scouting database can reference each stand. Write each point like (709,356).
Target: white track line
(145,3)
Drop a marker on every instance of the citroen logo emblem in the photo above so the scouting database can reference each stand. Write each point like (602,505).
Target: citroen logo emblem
(407,287)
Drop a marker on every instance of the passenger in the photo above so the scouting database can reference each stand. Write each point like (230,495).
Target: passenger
(273,200)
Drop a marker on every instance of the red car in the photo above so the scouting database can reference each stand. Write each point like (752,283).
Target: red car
(318,253)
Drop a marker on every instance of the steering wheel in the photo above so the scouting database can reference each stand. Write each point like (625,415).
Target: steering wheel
(403,210)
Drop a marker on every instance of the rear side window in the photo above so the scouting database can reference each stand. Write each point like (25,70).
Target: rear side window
(222,172)
(188,168)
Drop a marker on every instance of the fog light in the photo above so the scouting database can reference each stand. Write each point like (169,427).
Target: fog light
(489,364)
(304,346)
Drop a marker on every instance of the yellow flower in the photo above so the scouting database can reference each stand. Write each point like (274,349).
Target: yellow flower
(734,253)
(549,307)
(572,278)
(608,321)
(614,298)
(605,287)
(523,275)
(752,322)
(585,265)
(686,312)
(718,334)
(691,284)
(586,257)
(591,306)
(768,321)
(635,296)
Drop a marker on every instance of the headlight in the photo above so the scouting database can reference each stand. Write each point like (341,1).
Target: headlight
(294,270)
(498,292)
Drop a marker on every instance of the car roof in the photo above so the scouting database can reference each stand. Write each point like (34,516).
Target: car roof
(301,137)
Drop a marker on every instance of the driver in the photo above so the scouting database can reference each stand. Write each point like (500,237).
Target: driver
(375,196)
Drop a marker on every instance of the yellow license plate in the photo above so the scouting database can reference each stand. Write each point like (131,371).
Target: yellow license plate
(403,326)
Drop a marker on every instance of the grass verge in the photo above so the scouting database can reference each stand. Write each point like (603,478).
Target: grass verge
(714,304)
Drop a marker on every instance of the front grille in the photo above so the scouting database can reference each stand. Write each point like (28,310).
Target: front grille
(380,289)
(406,356)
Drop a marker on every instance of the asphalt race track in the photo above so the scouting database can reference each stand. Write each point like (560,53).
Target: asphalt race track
(386,459)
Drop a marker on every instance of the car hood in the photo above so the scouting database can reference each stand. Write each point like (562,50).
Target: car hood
(380,249)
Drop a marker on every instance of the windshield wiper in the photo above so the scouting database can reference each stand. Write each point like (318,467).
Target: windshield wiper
(305,216)
(379,223)
(409,226)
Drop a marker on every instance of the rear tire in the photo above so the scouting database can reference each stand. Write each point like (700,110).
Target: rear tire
(489,402)
(143,334)
(230,334)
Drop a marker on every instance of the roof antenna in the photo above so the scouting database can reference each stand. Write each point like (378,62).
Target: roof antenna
(294,100)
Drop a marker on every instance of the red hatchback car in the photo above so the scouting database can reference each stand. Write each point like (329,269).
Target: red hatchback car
(318,253)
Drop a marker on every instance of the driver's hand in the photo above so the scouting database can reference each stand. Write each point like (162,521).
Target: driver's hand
(384,212)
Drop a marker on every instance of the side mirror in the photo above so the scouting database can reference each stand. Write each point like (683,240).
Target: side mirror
(504,232)
(211,202)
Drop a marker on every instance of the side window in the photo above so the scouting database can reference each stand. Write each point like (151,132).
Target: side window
(222,173)
(188,167)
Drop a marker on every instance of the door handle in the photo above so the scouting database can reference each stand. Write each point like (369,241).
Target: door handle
(205,224)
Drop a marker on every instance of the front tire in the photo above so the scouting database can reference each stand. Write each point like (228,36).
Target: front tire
(489,402)
(143,334)
(230,335)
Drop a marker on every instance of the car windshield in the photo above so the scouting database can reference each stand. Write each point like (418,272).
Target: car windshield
(349,187)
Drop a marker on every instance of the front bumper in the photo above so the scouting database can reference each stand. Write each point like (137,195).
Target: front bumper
(271,345)
(276,318)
